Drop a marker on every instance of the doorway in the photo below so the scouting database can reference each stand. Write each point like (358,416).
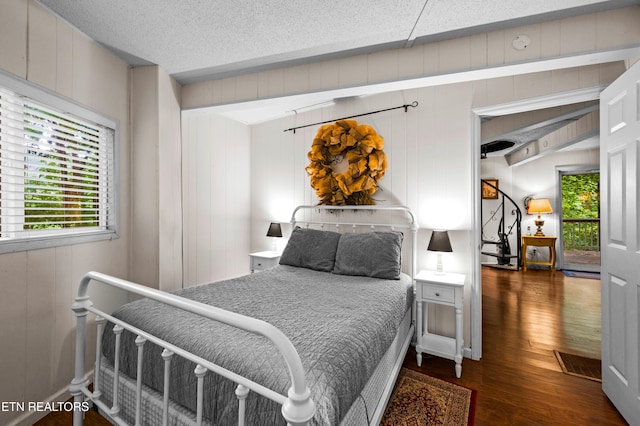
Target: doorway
(579,218)
(478,114)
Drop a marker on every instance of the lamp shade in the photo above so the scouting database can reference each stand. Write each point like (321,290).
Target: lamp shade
(539,205)
(275,230)
(439,242)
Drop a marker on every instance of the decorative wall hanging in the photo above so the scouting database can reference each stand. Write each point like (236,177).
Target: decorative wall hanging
(347,161)
(490,189)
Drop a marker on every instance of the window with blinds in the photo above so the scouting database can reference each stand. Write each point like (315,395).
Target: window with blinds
(57,174)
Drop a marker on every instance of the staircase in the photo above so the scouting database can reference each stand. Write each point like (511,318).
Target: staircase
(501,219)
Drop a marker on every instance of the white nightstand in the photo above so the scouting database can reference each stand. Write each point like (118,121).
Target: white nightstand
(442,289)
(261,260)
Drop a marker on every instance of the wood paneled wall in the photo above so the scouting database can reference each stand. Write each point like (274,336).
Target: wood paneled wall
(156,180)
(216,205)
(37,287)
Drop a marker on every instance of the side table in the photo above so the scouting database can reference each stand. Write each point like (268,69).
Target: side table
(443,289)
(539,241)
(262,260)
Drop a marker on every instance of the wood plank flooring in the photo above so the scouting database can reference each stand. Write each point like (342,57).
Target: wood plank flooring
(526,315)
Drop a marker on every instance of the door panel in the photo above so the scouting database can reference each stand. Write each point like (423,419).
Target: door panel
(620,263)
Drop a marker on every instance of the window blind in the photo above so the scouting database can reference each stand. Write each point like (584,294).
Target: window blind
(56,171)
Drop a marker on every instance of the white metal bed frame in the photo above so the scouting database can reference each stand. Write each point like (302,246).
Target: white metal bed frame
(297,406)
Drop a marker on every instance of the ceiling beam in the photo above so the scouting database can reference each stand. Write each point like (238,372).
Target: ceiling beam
(579,130)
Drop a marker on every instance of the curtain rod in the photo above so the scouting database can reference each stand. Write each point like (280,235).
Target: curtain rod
(405,106)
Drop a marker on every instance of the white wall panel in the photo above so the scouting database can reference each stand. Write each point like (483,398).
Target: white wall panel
(383,67)
(40,310)
(82,74)
(42,46)
(144,177)
(64,58)
(580,33)
(410,63)
(62,355)
(13,328)
(37,287)
(216,198)
(169,183)
(13,36)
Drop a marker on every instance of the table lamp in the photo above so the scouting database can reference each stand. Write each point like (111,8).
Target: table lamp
(440,243)
(275,231)
(539,205)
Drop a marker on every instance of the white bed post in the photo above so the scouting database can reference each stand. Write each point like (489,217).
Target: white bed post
(140,341)
(100,322)
(115,408)
(414,250)
(298,408)
(200,372)
(241,393)
(167,355)
(80,380)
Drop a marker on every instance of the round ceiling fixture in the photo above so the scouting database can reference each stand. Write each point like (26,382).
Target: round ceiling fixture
(521,42)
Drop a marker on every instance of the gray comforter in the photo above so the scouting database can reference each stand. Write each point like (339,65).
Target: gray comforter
(340,325)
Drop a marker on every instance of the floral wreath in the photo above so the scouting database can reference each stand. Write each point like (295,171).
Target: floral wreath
(337,183)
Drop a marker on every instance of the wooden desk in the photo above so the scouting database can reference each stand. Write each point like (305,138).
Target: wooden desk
(544,241)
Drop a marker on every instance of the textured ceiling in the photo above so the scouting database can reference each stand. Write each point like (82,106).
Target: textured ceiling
(198,39)
(195,40)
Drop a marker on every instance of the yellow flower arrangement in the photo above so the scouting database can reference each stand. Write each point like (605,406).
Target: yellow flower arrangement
(353,183)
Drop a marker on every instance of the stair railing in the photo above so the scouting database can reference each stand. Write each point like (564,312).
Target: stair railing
(504,231)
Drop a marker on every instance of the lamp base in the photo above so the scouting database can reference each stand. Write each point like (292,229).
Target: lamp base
(539,223)
(439,265)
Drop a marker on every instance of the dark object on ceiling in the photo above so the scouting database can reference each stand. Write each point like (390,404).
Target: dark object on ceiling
(495,146)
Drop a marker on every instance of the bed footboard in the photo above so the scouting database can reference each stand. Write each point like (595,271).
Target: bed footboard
(297,406)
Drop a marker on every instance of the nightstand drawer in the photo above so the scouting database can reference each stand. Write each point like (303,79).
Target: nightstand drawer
(261,263)
(437,293)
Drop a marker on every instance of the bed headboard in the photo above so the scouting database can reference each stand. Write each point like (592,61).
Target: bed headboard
(364,219)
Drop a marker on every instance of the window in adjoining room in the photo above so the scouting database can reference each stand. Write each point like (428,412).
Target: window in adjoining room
(57,170)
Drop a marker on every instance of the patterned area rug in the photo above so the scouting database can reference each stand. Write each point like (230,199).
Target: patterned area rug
(420,400)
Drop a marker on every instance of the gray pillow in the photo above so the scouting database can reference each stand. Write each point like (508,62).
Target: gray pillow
(311,248)
(372,254)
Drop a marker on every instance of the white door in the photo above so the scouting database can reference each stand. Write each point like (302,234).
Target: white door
(620,233)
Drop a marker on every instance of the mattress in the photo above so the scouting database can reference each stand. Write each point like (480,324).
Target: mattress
(340,325)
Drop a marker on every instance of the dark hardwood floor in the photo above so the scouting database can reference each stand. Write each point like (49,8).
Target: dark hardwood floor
(526,315)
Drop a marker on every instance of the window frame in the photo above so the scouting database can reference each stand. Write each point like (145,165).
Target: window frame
(70,236)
